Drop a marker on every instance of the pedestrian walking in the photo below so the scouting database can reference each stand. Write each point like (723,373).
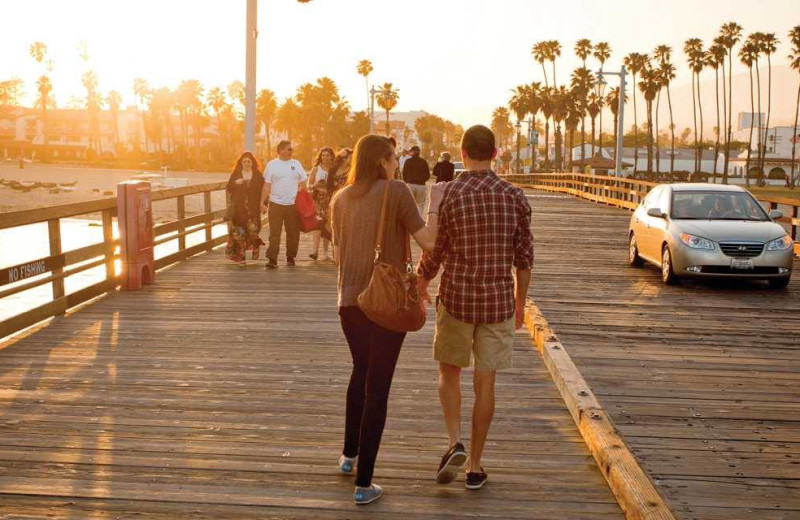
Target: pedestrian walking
(242,209)
(416,174)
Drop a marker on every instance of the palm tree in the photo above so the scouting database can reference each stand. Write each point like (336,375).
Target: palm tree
(540,54)
(769,44)
(571,121)
(534,103)
(667,72)
(142,91)
(287,118)
(216,101)
(715,58)
(187,97)
(561,102)
(114,100)
(748,55)
(38,51)
(364,68)
(501,125)
(720,41)
(794,36)
(553,52)
(266,107)
(635,63)
(602,51)
(730,34)
(693,49)
(547,111)
(612,100)
(581,82)
(594,105)
(519,103)
(583,49)
(387,98)
(93,101)
(650,85)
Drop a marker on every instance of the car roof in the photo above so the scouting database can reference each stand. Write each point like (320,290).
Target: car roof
(704,186)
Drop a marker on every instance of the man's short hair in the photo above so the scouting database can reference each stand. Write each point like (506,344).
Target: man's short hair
(478,142)
(415,148)
(283,144)
(393,141)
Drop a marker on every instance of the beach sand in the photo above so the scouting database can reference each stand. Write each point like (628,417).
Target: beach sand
(91,185)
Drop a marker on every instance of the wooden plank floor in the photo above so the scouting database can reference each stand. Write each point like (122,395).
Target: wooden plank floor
(219,393)
(702,379)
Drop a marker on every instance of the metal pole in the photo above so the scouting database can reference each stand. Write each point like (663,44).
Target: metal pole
(519,126)
(250,78)
(620,123)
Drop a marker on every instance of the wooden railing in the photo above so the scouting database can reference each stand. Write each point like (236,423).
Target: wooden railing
(58,266)
(628,193)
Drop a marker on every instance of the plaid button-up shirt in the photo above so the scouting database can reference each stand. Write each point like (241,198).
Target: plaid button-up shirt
(484,229)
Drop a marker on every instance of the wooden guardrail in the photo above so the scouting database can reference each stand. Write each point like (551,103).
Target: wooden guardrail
(628,193)
(58,266)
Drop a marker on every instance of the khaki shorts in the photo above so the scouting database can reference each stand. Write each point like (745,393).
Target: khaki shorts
(457,342)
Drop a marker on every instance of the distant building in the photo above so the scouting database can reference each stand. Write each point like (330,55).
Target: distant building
(749,119)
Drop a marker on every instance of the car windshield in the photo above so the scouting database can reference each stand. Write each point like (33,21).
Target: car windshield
(716,205)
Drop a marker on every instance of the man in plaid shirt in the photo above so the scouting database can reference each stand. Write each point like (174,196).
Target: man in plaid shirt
(484,232)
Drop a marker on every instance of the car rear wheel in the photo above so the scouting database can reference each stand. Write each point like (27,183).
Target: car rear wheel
(633,253)
(667,274)
(778,283)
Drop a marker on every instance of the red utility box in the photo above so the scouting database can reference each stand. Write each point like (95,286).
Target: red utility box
(135,218)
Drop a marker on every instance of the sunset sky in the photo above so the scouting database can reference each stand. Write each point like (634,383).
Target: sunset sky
(455,58)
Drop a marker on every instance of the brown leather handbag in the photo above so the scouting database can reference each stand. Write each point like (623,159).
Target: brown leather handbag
(391,299)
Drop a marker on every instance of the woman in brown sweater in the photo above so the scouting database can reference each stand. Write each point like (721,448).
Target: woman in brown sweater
(355,214)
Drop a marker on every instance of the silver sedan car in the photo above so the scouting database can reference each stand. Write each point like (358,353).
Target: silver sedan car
(709,230)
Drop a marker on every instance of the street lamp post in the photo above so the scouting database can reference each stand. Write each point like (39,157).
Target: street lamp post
(621,112)
(250,78)
(372,110)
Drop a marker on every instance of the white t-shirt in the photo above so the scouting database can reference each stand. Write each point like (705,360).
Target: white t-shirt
(284,176)
(321,174)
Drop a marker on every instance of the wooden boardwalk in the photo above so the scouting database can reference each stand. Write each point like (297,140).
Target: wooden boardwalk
(702,380)
(219,393)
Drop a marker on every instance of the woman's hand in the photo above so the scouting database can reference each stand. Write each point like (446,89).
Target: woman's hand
(437,193)
(239,181)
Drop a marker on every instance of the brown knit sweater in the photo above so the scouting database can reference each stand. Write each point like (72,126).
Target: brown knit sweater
(355,229)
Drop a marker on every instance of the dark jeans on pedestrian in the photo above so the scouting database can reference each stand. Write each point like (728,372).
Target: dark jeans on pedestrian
(374,351)
(281,216)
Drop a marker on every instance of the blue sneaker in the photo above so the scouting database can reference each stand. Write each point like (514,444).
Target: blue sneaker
(366,495)
(347,465)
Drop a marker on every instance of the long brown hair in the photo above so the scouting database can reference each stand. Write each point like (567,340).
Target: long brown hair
(370,150)
(322,150)
(338,161)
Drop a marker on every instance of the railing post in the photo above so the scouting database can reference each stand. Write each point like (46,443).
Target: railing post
(181,226)
(54,232)
(207,209)
(108,240)
(794,226)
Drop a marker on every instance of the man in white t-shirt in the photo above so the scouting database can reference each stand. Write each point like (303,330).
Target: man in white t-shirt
(283,178)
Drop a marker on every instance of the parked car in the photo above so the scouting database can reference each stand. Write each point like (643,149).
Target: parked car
(459,168)
(709,230)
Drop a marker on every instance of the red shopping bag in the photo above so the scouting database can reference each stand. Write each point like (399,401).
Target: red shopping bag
(306,212)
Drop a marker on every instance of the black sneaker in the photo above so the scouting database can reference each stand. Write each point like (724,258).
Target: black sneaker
(476,479)
(455,457)
(290,261)
(272,264)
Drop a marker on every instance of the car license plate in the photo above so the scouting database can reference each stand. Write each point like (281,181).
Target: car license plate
(741,263)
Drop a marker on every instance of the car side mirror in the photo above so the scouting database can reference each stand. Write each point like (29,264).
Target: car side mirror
(775,214)
(656,212)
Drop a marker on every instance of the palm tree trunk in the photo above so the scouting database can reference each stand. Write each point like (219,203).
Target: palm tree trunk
(769,109)
(544,70)
(649,106)
(583,140)
(672,134)
(388,129)
(730,114)
(635,129)
(571,144)
(658,147)
(750,140)
(724,122)
(593,130)
(546,141)
(794,135)
(716,142)
(760,172)
(700,111)
(616,122)
(694,109)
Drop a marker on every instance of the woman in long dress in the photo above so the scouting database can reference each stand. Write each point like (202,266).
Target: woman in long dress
(243,209)
(317,185)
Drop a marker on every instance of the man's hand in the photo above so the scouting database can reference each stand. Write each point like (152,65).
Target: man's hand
(519,315)
(437,192)
(263,209)
(422,289)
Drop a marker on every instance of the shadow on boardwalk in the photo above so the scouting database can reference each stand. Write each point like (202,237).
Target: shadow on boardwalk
(219,393)
(702,379)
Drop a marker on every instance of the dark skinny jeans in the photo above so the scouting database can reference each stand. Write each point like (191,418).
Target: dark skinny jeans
(283,216)
(375,351)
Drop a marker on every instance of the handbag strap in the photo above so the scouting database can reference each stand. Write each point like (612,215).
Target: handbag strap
(381,221)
